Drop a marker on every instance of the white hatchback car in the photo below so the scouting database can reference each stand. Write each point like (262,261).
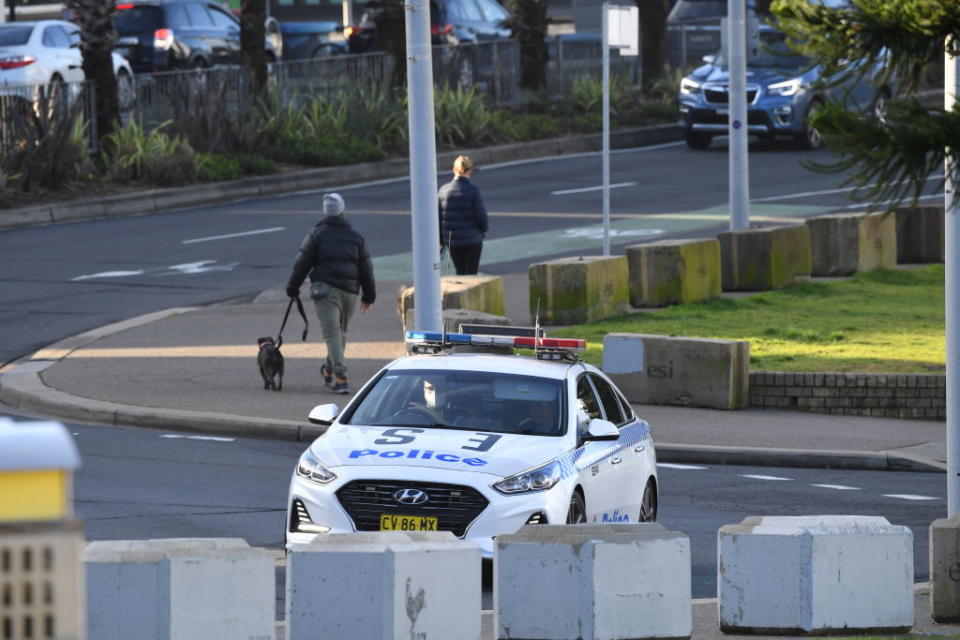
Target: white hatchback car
(476,444)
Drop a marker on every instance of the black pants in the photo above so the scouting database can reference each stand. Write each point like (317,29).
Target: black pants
(466,259)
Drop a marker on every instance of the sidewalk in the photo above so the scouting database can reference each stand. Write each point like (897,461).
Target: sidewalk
(195,370)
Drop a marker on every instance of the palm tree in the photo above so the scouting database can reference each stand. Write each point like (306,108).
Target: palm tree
(529,25)
(97,37)
(253,14)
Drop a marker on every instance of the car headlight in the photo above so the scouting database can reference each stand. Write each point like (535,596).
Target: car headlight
(688,86)
(787,88)
(309,468)
(537,479)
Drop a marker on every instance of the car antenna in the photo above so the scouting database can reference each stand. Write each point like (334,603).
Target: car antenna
(536,329)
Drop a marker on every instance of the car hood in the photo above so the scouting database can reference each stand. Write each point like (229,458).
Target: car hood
(499,454)
(755,75)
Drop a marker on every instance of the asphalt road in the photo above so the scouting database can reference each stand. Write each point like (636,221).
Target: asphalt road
(60,280)
(137,484)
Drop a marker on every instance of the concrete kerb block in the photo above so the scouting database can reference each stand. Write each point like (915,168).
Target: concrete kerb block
(384,586)
(178,589)
(845,243)
(815,575)
(764,259)
(695,372)
(945,570)
(477,293)
(578,290)
(673,272)
(920,234)
(605,582)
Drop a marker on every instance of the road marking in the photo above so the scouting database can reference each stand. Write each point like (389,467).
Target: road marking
(838,487)
(188,268)
(596,233)
(826,192)
(762,477)
(934,196)
(240,234)
(673,465)
(617,185)
(182,437)
(908,496)
(109,274)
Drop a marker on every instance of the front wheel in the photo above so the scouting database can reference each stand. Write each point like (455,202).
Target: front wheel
(809,138)
(648,504)
(577,513)
(698,141)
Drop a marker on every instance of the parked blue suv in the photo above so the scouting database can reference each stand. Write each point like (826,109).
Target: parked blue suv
(782,93)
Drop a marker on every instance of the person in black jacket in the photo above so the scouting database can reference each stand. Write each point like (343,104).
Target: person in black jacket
(339,264)
(463,218)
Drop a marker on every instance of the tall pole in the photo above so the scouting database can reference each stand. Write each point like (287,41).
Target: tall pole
(951,92)
(423,169)
(606,128)
(737,69)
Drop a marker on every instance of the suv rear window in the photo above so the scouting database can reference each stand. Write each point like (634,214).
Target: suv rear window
(138,19)
(14,35)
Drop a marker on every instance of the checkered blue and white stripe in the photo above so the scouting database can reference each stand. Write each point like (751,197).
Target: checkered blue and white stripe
(593,453)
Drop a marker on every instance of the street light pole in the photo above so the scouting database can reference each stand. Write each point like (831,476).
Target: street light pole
(951,92)
(423,168)
(737,99)
(605,81)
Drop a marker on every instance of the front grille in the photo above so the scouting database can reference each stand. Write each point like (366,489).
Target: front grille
(716,96)
(709,116)
(455,506)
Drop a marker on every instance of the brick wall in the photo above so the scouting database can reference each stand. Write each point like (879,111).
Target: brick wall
(920,396)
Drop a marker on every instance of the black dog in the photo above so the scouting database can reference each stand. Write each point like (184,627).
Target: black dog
(270,361)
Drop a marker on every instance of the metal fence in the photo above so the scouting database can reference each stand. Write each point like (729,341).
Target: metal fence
(688,43)
(576,57)
(32,115)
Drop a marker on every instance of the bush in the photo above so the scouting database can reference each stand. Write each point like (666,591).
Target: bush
(216,167)
(136,154)
(328,149)
(256,164)
(461,117)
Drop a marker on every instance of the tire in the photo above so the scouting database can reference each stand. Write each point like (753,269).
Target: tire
(880,104)
(577,513)
(648,504)
(697,141)
(125,92)
(465,73)
(809,138)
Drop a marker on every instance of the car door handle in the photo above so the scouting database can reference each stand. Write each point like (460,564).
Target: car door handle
(639,448)
(616,460)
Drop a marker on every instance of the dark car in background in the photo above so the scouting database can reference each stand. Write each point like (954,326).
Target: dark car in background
(165,35)
(451,22)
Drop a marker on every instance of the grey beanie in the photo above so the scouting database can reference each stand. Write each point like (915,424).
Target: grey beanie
(333,204)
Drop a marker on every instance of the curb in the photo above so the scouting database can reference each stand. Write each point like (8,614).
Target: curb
(155,200)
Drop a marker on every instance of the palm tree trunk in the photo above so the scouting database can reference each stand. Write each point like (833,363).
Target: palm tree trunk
(253,14)
(97,36)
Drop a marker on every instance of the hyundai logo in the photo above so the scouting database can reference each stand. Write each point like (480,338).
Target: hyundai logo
(410,496)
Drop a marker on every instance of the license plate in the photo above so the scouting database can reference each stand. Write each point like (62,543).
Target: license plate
(407,523)
(723,112)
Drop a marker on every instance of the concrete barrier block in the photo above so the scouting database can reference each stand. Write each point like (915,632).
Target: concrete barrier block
(384,586)
(920,234)
(673,272)
(477,293)
(815,575)
(695,372)
(764,259)
(454,318)
(578,290)
(593,581)
(845,243)
(179,589)
(945,570)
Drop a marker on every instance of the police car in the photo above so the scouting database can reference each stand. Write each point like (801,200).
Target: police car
(476,443)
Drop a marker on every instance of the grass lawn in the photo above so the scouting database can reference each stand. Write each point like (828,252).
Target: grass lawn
(875,322)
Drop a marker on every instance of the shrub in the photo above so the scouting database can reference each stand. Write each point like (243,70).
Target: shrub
(216,167)
(136,154)
(256,164)
(328,149)
(461,117)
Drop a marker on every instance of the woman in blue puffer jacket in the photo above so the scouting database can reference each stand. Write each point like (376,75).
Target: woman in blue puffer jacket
(463,218)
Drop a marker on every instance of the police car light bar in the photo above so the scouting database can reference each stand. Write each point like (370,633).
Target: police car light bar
(435,340)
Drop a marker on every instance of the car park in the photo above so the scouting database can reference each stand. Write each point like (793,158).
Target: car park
(165,35)
(478,444)
(784,88)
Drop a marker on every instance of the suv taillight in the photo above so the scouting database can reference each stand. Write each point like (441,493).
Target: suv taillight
(15,62)
(440,29)
(163,39)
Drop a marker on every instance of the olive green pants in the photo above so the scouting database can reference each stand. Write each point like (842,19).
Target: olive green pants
(334,311)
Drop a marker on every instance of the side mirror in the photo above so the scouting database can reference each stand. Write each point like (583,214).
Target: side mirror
(709,59)
(324,414)
(601,430)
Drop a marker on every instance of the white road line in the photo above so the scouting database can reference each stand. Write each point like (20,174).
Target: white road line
(241,234)
(807,194)
(908,496)
(933,196)
(618,185)
(672,465)
(838,487)
(762,477)
(109,274)
(182,437)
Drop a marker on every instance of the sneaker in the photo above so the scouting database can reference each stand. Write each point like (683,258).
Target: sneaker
(341,387)
(327,376)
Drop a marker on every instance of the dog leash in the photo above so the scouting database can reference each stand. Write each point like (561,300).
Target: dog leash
(306,325)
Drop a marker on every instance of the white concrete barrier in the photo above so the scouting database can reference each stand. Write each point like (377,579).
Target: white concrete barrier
(815,575)
(595,582)
(384,586)
(180,589)
(945,570)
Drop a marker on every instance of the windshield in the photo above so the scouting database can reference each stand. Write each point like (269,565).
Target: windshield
(10,36)
(495,402)
(774,54)
(138,19)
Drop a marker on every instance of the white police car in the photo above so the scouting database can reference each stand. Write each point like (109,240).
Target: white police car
(476,444)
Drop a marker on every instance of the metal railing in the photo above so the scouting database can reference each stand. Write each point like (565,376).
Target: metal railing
(572,58)
(30,115)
